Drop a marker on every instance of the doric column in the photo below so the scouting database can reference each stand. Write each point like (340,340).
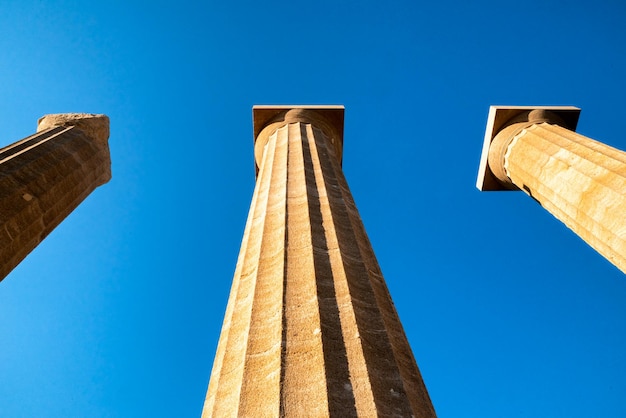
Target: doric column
(310,329)
(45,176)
(580,181)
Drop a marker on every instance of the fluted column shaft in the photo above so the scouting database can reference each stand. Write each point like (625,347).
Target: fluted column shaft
(47,175)
(580,181)
(310,328)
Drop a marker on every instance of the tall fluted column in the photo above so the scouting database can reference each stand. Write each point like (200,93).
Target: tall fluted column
(582,182)
(310,328)
(45,176)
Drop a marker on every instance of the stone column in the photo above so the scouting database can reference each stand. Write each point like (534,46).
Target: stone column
(45,176)
(580,181)
(310,329)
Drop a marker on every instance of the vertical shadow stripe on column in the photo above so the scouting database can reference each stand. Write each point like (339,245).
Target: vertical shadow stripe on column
(341,401)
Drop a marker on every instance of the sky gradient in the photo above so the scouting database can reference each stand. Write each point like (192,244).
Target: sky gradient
(118,312)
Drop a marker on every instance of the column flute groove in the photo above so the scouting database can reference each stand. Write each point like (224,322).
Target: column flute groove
(593,165)
(304,385)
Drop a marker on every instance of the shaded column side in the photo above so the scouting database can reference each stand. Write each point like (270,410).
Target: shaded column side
(313,296)
(348,379)
(393,370)
(43,178)
(580,181)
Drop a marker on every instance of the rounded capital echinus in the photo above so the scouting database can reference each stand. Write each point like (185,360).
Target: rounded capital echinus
(302,115)
(501,142)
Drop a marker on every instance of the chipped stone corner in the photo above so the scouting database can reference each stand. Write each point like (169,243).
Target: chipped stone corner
(96,126)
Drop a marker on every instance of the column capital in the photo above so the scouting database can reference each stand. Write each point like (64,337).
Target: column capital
(503,123)
(94,126)
(268,118)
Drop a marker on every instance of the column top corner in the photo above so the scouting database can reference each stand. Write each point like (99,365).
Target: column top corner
(95,126)
(263,115)
(500,117)
(328,118)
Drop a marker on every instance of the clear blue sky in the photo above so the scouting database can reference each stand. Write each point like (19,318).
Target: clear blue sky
(118,312)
